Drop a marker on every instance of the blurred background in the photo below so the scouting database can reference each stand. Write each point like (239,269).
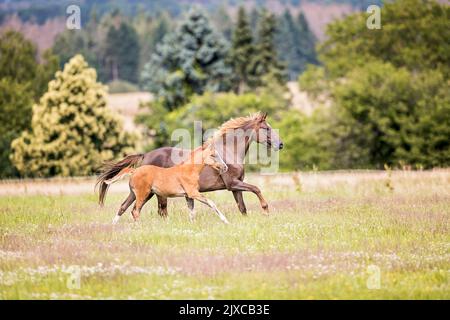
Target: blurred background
(343,95)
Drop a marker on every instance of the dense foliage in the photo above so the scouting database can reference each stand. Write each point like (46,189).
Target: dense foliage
(112,45)
(22,81)
(191,60)
(389,88)
(382,96)
(122,53)
(72,131)
(295,43)
(116,40)
(242,51)
(265,60)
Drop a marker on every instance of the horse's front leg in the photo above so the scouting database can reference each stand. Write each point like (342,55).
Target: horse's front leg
(239,198)
(238,185)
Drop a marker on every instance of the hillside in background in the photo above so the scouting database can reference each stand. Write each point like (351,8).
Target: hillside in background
(42,21)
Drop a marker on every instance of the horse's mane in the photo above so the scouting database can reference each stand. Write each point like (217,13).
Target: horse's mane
(232,124)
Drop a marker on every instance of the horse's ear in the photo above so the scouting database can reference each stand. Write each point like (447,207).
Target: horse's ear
(263,116)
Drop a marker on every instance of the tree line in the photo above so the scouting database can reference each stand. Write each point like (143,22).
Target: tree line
(118,45)
(389,89)
(383,95)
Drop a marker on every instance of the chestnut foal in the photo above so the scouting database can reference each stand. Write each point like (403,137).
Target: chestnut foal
(179,181)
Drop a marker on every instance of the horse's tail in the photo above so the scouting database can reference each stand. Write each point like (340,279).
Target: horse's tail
(111,172)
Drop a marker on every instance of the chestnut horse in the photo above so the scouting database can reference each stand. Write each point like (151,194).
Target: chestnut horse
(179,181)
(241,131)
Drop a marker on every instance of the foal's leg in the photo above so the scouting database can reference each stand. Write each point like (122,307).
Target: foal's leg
(140,201)
(190,204)
(238,185)
(124,206)
(212,205)
(238,197)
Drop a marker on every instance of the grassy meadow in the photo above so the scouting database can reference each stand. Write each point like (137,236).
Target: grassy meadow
(336,235)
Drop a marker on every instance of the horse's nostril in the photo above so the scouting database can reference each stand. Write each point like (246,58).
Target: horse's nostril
(281,146)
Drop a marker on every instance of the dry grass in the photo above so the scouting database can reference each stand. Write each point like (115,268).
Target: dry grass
(127,105)
(318,242)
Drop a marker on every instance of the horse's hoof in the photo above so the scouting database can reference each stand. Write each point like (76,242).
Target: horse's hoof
(116,219)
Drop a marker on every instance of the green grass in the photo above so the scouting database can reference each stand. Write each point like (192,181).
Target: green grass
(317,243)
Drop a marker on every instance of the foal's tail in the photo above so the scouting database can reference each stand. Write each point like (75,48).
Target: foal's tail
(111,172)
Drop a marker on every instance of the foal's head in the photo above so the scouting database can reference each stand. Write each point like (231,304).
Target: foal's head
(212,158)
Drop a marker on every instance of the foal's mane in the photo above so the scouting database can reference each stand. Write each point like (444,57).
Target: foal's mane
(233,124)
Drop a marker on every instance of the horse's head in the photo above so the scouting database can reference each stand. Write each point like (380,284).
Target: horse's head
(212,158)
(265,135)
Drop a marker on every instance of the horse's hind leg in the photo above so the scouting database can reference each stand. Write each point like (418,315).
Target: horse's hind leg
(140,201)
(124,206)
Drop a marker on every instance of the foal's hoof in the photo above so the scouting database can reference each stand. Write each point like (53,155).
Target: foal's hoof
(116,219)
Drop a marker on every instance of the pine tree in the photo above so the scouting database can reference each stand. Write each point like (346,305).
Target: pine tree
(254,19)
(265,62)
(222,22)
(122,53)
(189,61)
(295,43)
(72,131)
(85,42)
(163,26)
(242,51)
(151,30)
(307,39)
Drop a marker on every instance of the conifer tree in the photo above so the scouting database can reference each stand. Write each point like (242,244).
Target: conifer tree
(189,61)
(72,131)
(242,51)
(295,43)
(122,53)
(265,62)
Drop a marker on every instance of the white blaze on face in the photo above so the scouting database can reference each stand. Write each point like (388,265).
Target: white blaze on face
(274,138)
